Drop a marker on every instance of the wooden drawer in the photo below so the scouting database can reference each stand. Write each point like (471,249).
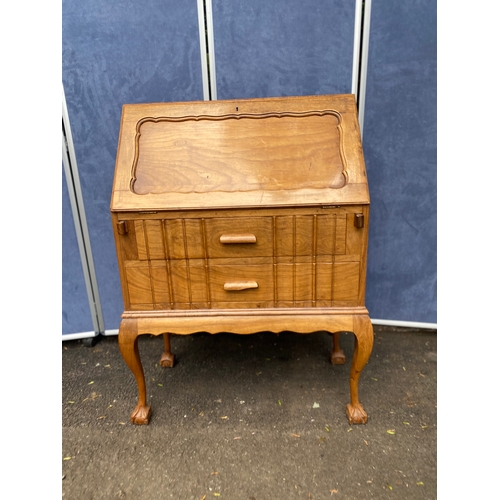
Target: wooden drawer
(243,286)
(197,284)
(305,260)
(325,236)
(239,237)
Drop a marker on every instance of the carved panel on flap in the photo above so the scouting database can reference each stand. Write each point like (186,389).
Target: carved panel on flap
(195,154)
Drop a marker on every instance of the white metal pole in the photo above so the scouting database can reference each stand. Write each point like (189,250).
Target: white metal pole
(356,48)
(211,49)
(364,64)
(203,49)
(80,221)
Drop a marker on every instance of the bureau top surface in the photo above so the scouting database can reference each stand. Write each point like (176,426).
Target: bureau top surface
(287,151)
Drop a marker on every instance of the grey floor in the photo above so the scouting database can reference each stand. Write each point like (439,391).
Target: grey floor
(251,418)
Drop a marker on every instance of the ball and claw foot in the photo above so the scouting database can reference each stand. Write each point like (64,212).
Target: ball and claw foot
(337,357)
(167,360)
(141,415)
(356,414)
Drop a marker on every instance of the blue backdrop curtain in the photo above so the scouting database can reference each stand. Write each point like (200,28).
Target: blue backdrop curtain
(117,52)
(283,47)
(399,141)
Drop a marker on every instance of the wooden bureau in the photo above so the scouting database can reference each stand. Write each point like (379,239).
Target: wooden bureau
(242,216)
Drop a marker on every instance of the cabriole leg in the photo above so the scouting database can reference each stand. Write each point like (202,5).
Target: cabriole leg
(167,358)
(363,344)
(337,356)
(127,340)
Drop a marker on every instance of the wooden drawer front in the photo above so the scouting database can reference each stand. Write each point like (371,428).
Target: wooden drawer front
(196,285)
(158,239)
(324,236)
(231,238)
(234,285)
(312,260)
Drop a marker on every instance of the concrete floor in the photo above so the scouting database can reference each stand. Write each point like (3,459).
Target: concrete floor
(252,417)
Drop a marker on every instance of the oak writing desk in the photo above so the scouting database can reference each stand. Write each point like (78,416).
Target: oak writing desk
(242,216)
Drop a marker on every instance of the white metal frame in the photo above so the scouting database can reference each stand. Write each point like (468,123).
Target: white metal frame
(207,49)
(358,19)
(81,228)
(404,324)
(363,64)
(203,50)
(211,49)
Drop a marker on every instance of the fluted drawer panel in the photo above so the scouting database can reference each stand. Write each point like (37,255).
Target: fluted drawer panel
(139,283)
(317,285)
(189,281)
(185,238)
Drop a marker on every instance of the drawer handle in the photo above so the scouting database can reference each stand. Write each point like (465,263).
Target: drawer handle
(232,239)
(240,285)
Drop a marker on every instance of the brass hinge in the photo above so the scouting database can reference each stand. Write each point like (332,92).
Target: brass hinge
(121,227)
(359,221)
